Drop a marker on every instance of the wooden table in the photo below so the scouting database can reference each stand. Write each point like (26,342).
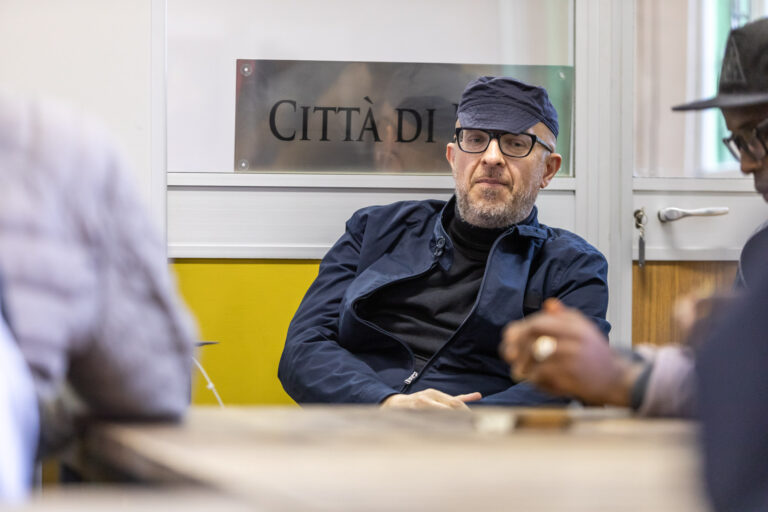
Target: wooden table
(365,458)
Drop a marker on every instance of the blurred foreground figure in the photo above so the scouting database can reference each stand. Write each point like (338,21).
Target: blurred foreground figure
(732,378)
(658,381)
(18,420)
(87,290)
(732,365)
(729,386)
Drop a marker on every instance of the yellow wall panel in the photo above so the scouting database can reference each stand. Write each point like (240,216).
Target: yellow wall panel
(246,306)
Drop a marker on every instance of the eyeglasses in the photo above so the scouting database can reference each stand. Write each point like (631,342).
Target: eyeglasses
(753,145)
(516,145)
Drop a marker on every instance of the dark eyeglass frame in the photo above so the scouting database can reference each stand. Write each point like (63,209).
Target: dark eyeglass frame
(737,144)
(495,134)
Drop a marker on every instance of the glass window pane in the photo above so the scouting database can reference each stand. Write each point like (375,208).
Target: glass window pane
(206,40)
(679,53)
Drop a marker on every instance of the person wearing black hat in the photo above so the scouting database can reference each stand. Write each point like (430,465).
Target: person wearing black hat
(731,366)
(409,304)
(663,381)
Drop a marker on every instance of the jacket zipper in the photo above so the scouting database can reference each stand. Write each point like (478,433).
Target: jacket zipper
(413,376)
(375,327)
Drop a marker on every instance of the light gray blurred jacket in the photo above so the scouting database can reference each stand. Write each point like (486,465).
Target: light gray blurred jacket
(87,286)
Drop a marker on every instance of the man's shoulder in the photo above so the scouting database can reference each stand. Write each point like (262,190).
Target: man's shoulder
(568,243)
(408,212)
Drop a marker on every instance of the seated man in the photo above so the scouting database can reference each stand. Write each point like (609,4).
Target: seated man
(657,381)
(86,282)
(409,303)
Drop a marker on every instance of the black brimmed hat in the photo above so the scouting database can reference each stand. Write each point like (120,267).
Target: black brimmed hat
(744,76)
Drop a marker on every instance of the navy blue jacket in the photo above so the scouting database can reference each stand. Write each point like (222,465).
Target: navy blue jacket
(332,355)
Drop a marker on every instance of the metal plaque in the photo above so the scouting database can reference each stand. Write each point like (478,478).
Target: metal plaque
(366,117)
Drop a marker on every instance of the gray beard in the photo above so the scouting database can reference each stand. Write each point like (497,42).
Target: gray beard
(496,215)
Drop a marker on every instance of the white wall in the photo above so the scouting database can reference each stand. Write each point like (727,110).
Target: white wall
(92,54)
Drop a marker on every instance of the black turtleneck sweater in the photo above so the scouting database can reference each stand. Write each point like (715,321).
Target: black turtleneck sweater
(425,311)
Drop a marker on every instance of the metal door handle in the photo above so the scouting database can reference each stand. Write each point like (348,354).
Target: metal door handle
(670,214)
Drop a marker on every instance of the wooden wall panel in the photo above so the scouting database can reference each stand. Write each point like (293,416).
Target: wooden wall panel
(657,286)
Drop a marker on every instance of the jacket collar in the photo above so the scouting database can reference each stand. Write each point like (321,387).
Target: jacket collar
(442,247)
(529,228)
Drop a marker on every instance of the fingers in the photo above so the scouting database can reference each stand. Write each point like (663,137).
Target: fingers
(566,325)
(469,397)
(516,347)
(555,320)
(553,305)
(582,364)
(431,399)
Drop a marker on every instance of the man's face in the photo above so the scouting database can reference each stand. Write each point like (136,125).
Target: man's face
(494,190)
(742,121)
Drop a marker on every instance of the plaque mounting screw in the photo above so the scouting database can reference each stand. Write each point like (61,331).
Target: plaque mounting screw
(246,69)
